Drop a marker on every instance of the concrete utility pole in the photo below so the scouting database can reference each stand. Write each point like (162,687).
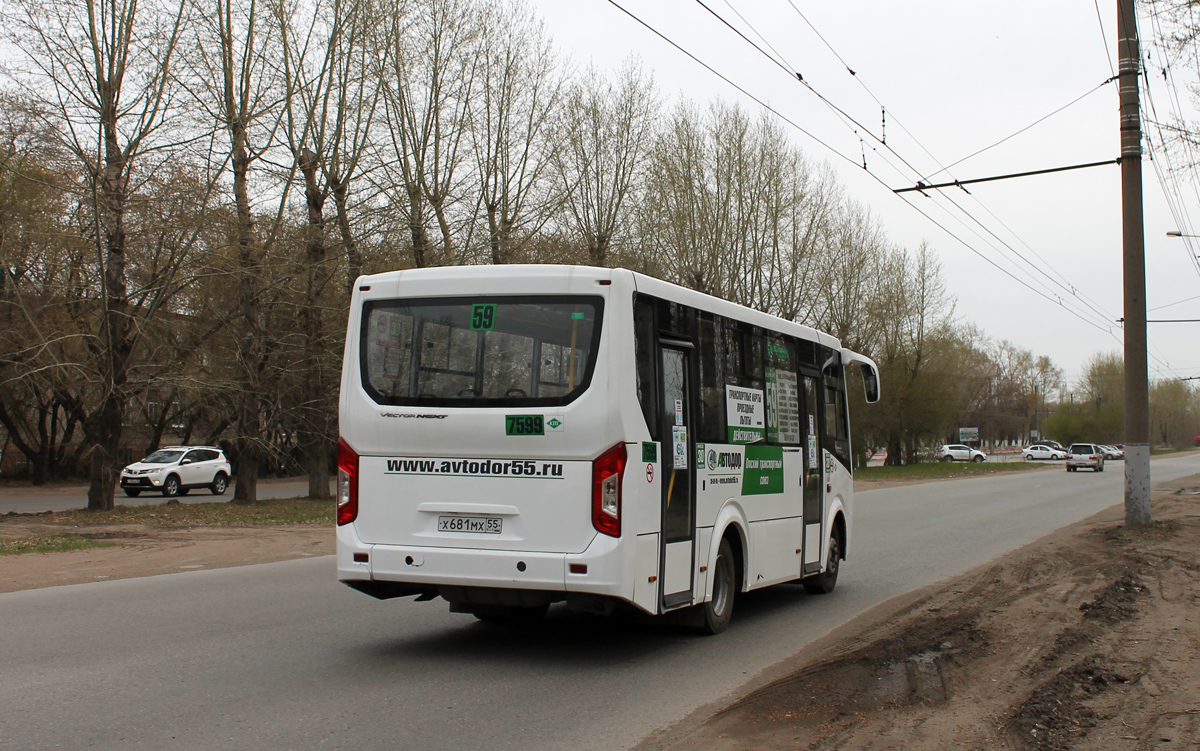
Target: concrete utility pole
(1137,387)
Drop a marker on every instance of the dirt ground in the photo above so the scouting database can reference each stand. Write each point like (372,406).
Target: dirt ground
(145,551)
(1086,639)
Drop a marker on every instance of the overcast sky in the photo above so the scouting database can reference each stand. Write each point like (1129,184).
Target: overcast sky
(958,77)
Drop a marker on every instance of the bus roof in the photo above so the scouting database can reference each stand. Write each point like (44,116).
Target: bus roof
(640,282)
(712,304)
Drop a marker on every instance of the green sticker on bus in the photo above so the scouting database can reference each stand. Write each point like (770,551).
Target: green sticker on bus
(578,316)
(524,425)
(649,451)
(483,317)
(763,471)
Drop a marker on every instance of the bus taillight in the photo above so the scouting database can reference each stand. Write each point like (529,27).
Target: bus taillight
(347,486)
(607,471)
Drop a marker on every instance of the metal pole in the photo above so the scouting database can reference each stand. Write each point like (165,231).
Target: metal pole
(1137,388)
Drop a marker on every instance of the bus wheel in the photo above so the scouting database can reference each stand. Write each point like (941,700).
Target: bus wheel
(510,613)
(823,583)
(719,609)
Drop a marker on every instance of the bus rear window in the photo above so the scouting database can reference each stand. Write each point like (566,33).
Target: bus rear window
(510,351)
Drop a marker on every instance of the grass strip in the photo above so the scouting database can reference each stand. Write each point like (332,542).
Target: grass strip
(266,513)
(941,470)
(50,544)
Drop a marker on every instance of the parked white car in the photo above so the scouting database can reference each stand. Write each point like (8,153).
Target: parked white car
(1043,452)
(955,452)
(175,470)
(1112,452)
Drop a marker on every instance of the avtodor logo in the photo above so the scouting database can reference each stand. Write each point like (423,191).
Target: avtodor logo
(730,460)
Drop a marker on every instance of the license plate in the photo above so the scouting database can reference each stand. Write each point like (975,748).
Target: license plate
(489,525)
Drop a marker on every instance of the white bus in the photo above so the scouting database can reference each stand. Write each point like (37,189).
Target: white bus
(516,436)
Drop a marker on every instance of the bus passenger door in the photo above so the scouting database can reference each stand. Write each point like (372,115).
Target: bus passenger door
(679,497)
(814,487)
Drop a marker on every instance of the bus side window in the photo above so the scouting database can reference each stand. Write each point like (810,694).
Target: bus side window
(643,345)
(837,432)
(711,425)
(783,394)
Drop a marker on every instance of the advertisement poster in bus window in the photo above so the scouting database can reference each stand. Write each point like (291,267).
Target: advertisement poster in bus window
(812,441)
(783,407)
(744,413)
(679,446)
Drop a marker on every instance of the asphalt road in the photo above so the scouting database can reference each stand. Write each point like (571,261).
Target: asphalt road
(28,500)
(281,656)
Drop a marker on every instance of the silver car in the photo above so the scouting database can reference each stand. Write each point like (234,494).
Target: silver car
(1085,455)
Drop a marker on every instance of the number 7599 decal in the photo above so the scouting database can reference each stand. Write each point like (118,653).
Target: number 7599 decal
(524,425)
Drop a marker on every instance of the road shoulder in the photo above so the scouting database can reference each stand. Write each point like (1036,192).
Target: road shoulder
(146,551)
(1086,638)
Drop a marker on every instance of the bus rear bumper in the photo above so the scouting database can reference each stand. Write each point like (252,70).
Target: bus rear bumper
(597,570)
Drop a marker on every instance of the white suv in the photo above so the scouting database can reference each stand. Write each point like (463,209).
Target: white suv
(1085,455)
(175,470)
(957,452)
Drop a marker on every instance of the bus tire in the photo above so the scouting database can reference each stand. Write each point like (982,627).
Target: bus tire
(824,582)
(719,609)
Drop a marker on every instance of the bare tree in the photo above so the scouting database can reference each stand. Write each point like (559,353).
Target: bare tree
(606,132)
(519,93)
(857,268)
(329,112)
(103,69)
(429,73)
(236,82)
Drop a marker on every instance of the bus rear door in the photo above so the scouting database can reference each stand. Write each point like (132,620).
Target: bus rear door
(679,487)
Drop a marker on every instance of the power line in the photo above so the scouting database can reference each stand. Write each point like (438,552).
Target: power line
(1039,121)
(922,187)
(710,69)
(965,244)
(788,68)
(1104,37)
(982,256)
(1177,302)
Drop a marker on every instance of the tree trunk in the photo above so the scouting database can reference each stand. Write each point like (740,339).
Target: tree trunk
(314,445)
(598,251)
(250,347)
(106,421)
(894,450)
(104,432)
(498,256)
(439,212)
(416,225)
(353,256)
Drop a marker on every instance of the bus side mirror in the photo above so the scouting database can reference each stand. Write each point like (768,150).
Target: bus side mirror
(870,383)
